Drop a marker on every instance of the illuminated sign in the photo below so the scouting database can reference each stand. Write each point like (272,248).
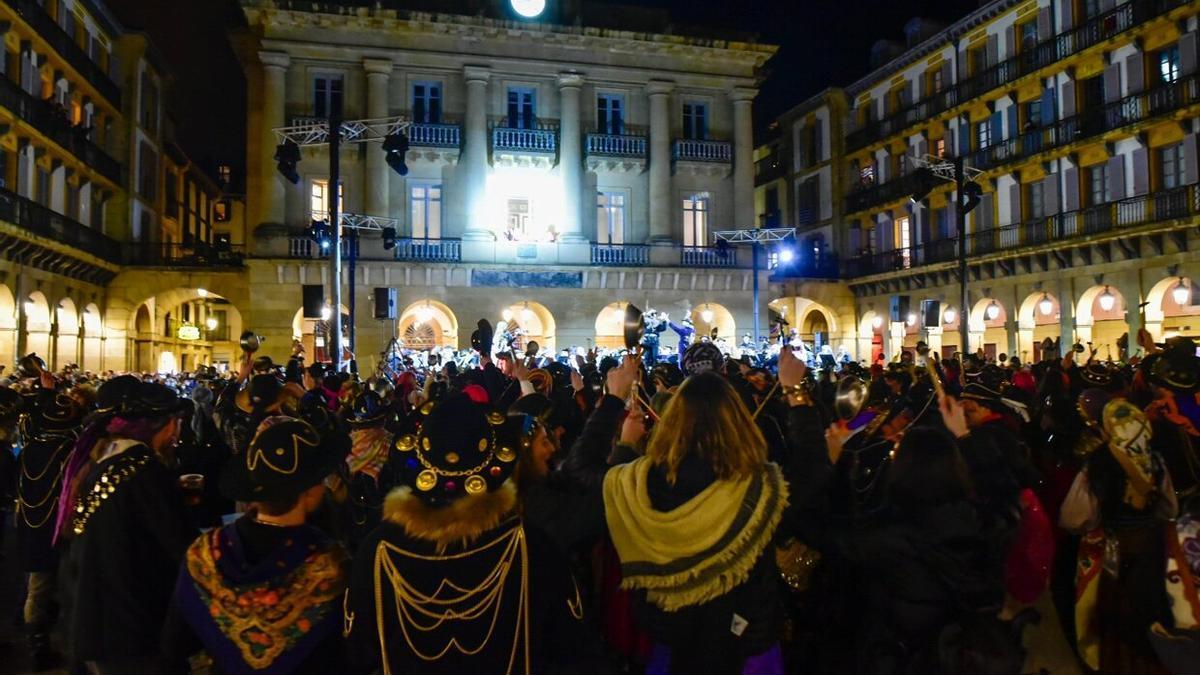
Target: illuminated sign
(188,332)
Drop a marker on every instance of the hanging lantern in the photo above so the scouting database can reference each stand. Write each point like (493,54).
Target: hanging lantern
(1045,305)
(1107,300)
(992,311)
(949,315)
(1181,293)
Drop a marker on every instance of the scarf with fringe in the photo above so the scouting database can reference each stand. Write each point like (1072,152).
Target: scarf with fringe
(368,450)
(700,550)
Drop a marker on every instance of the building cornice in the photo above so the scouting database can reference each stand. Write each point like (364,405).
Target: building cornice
(946,37)
(275,14)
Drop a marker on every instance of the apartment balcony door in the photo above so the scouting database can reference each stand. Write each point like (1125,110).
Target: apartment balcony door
(522,108)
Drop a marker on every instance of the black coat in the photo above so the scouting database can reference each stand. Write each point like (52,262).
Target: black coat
(121,571)
(39,484)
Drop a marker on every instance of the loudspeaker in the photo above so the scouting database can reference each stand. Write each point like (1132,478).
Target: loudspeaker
(931,313)
(385,303)
(314,300)
(899,308)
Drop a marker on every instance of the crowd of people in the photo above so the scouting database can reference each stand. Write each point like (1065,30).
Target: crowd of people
(606,513)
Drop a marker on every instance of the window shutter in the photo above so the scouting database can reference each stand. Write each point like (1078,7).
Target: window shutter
(1116,177)
(916,89)
(905,96)
(964,138)
(1014,124)
(984,213)
(1014,204)
(951,137)
(1066,14)
(964,66)
(1047,105)
(1010,42)
(1112,83)
(922,147)
(1106,5)
(1068,99)
(996,133)
(993,50)
(945,75)
(1187,53)
(1071,189)
(951,219)
(1141,171)
(1189,159)
(1134,73)
(1045,26)
(884,229)
(1050,194)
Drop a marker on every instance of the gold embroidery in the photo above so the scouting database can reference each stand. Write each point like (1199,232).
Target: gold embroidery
(256,455)
(114,474)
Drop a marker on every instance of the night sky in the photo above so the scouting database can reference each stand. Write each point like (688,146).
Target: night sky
(823,43)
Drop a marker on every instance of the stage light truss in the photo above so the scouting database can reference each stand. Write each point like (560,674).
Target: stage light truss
(760,236)
(943,168)
(358,221)
(315,131)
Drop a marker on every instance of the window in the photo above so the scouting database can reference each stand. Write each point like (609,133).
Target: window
(935,81)
(1091,8)
(171,186)
(426,211)
(1029,35)
(1033,115)
(1168,64)
(978,60)
(427,102)
(941,219)
(521,108)
(327,95)
(866,175)
(1171,162)
(147,171)
(224,174)
(72,202)
(807,201)
(149,104)
(983,134)
(695,120)
(939,147)
(610,114)
(1098,192)
(695,219)
(1035,199)
(902,240)
(519,220)
(319,200)
(610,217)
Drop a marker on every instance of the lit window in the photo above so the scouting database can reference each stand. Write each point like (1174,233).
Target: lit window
(695,219)
(983,134)
(610,217)
(426,211)
(1168,64)
(939,147)
(1098,185)
(902,240)
(319,202)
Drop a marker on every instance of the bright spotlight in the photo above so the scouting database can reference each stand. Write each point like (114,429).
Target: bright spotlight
(912,319)
(949,315)
(1045,305)
(202,292)
(786,255)
(877,322)
(325,313)
(1107,300)
(992,311)
(211,323)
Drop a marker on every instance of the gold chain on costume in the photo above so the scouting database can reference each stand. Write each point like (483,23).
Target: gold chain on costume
(49,463)
(411,604)
(24,507)
(106,485)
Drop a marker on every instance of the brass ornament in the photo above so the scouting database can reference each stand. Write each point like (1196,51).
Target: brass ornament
(452,457)
(426,481)
(506,454)
(495,418)
(483,444)
(406,443)
(427,408)
(475,485)
(425,444)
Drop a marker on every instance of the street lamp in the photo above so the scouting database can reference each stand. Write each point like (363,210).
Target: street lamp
(526,314)
(211,323)
(992,311)
(325,313)
(912,319)
(1045,305)
(1181,293)
(1107,300)
(706,315)
(949,315)
(202,292)
(877,322)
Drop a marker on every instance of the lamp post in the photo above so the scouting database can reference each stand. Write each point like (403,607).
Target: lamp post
(755,238)
(391,131)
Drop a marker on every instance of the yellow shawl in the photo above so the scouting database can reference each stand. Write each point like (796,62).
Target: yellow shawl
(700,550)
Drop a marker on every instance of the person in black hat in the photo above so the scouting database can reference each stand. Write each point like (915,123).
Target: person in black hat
(453,581)
(1173,374)
(264,593)
(128,529)
(48,433)
(996,456)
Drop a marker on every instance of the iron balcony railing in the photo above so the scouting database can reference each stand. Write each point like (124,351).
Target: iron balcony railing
(1162,100)
(435,135)
(429,250)
(691,150)
(41,22)
(54,123)
(524,140)
(620,255)
(39,220)
(1157,207)
(707,256)
(615,145)
(160,254)
(1047,52)
(807,267)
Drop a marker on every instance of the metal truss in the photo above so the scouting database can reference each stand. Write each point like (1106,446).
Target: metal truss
(760,236)
(944,168)
(315,130)
(358,221)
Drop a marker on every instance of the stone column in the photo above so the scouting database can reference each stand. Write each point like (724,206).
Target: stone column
(570,158)
(743,158)
(274,187)
(473,162)
(661,222)
(378,72)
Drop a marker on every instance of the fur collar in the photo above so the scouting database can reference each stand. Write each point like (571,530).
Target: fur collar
(459,522)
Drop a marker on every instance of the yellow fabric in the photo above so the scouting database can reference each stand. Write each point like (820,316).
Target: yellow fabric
(1089,567)
(698,551)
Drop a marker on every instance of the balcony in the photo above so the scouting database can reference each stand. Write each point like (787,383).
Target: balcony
(435,135)
(1149,209)
(707,257)
(807,267)
(620,255)
(1133,109)
(691,150)
(35,15)
(615,152)
(769,168)
(525,147)
(52,122)
(39,220)
(302,246)
(429,250)
(1065,44)
(158,254)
